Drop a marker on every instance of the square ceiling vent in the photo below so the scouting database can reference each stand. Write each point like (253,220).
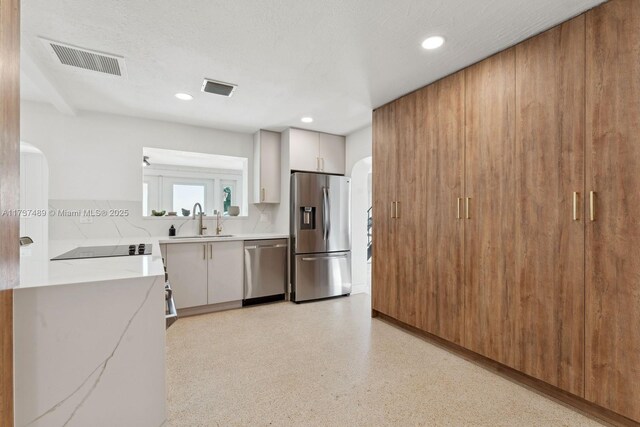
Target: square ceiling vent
(86,59)
(218,88)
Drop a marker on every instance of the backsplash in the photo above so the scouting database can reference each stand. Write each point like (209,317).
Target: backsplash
(77,219)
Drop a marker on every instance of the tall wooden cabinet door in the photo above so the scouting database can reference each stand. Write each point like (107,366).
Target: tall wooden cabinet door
(442,135)
(549,241)
(410,218)
(490,186)
(383,282)
(612,239)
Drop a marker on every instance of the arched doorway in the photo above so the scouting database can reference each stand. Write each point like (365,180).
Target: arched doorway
(360,225)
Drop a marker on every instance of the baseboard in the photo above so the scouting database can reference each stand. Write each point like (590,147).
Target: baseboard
(584,407)
(360,288)
(211,308)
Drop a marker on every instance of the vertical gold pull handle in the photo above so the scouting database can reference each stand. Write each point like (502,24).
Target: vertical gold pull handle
(458,213)
(211,251)
(592,205)
(393,205)
(467,214)
(204,251)
(262,195)
(575,206)
(397,215)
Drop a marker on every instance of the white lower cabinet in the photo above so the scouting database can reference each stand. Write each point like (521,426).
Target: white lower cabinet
(187,269)
(225,274)
(205,273)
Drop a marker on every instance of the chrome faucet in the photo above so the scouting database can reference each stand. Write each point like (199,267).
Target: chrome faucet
(201,227)
(218,225)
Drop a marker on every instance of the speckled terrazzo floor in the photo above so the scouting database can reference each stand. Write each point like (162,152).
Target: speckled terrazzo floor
(328,363)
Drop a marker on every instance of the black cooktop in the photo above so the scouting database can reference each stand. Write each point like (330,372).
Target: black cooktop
(105,251)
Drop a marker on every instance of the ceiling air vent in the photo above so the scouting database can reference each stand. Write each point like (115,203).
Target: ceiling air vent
(218,88)
(86,59)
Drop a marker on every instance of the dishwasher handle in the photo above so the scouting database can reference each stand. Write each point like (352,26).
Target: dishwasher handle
(284,245)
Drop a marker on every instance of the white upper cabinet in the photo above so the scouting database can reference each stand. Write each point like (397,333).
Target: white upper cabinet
(332,153)
(316,152)
(304,148)
(266,167)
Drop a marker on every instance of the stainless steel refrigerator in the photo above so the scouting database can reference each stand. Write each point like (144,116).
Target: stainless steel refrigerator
(320,236)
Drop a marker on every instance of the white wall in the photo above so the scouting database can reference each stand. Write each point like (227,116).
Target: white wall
(34,188)
(96,157)
(359,146)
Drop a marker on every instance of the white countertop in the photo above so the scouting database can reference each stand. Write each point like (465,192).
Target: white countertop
(186,239)
(36,269)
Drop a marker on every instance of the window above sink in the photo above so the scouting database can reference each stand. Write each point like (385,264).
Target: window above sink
(173,181)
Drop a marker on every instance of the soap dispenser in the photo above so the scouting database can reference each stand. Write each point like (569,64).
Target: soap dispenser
(172,231)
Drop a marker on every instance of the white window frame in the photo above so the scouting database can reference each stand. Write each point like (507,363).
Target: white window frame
(160,180)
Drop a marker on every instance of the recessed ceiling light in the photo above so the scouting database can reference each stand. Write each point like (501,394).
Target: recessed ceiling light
(433,42)
(307,120)
(184,96)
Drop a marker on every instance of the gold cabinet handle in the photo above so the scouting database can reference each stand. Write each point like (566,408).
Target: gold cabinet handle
(592,205)
(458,212)
(204,252)
(397,215)
(262,195)
(467,214)
(211,251)
(575,206)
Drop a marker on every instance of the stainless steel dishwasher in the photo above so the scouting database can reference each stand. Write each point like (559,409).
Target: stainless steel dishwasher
(265,270)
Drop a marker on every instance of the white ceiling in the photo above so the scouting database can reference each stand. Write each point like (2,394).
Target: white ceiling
(334,60)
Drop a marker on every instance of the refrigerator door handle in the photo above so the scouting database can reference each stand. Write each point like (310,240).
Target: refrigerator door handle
(325,213)
(319,258)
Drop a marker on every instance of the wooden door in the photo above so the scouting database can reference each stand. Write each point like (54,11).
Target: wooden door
(411,212)
(441,141)
(549,242)
(612,240)
(9,193)
(490,185)
(384,288)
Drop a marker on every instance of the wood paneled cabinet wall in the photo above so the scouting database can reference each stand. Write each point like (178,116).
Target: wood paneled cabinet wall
(507,206)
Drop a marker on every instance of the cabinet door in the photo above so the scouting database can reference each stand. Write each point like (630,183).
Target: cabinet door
(266,172)
(304,150)
(226,276)
(410,219)
(384,259)
(187,270)
(442,232)
(490,185)
(332,153)
(613,155)
(549,256)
